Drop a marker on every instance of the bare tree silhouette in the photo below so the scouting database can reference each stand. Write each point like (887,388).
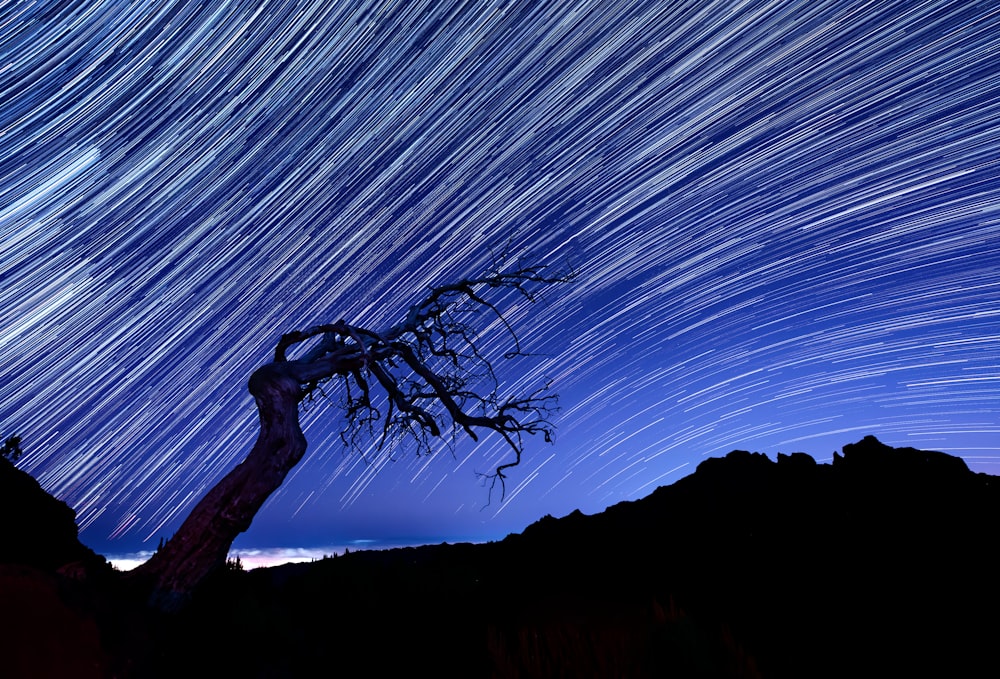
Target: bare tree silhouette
(434,374)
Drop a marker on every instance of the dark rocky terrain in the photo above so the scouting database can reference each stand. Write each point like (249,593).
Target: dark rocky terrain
(882,563)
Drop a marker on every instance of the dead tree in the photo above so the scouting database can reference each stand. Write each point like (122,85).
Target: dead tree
(435,379)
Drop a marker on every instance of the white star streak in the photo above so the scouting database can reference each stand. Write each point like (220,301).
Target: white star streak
(785,216)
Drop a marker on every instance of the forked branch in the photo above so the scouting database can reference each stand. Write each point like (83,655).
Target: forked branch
(435,375)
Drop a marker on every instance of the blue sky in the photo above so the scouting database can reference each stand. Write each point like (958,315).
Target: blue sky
(783,215)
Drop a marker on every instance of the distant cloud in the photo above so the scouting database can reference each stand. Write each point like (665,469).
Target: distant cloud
(270,556)
(126,562)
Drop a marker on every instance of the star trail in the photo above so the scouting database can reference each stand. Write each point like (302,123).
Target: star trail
(784,217)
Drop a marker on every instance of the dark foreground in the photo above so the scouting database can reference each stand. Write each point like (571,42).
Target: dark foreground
(880,564)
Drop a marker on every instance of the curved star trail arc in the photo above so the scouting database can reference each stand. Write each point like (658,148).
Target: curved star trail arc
(784,216)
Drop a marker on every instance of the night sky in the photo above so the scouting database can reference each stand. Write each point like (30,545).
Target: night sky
(784,216)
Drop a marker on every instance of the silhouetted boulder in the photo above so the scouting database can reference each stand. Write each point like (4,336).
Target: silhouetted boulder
(797,461)
(875,459)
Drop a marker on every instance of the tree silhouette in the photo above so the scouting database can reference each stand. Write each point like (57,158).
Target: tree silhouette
(434,374)
(11,448)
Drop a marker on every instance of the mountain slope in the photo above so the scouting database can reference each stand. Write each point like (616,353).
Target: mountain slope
(880,564)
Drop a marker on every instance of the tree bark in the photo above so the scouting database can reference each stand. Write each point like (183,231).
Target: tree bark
(201,544)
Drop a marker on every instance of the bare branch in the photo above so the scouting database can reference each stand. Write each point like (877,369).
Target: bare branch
(450,379)
(433,372)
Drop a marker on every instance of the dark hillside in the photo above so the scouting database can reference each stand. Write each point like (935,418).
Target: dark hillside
(879,564)
(883,560)
(35,528)
(54,591)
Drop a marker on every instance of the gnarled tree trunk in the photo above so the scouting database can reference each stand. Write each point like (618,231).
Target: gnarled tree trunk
(437,350)
(202,543)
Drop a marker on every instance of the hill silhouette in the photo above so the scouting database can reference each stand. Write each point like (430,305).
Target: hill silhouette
(879,564)
(55,614)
